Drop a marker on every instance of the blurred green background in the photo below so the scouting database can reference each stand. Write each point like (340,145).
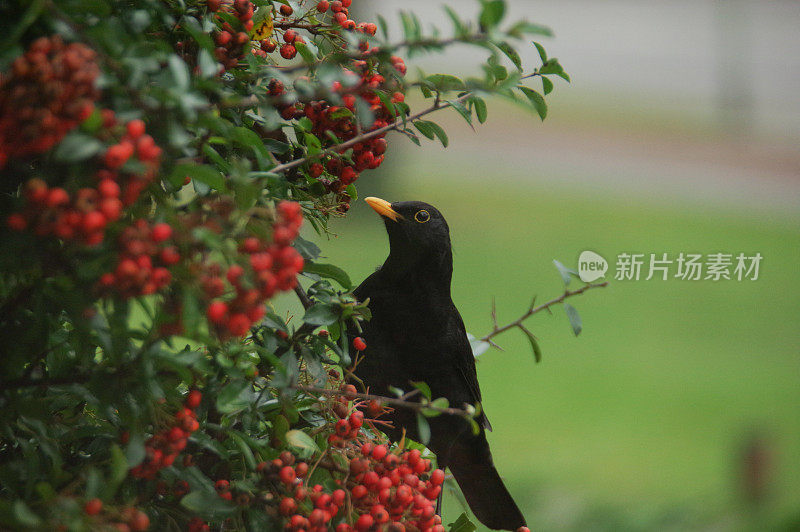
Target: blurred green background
(678,134)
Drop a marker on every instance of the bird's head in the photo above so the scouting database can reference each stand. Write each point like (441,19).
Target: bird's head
(418,235)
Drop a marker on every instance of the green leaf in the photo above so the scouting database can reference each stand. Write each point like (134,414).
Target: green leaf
(552,66)
(119,465)
(424,429)
(480,108)
(205,174)
(462,524)
(511,53)
(234,397)
(566,273)
(574,318)
(541,50)
(547,85)
(536,99)
(446,82)
(24,516)
(329,271)
(301,440)
(364,113)
(479,347)
(462,110)
(77,147)
(247,452)
(134,451)
(207,503)
(440,402)
(431,130)
(460,28)
(422,387)
(179,71)
(321,314)
(307,249)
(424,127)
(523,27)
(492,13)
(537,352)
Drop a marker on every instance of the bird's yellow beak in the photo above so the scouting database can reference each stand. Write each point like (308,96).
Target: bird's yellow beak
(384,208)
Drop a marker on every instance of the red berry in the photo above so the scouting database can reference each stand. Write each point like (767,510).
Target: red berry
(288,506)
(17,222)
(289,36)
(93,506)
(288,51)
(217,311)
(437,477)
(108,188)
(364,523)
(322,6)
(286,10)
(139,521)
(193,399)
(287,475)
(379,452)
(170,256)
(359,344)
(135,128)
(239,324)
(161,232)
(222,485)
(57,197)
(118,154)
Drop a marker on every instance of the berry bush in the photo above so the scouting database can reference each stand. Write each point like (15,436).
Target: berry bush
(158,160)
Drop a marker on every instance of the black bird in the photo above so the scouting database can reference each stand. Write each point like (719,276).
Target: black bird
(417,334)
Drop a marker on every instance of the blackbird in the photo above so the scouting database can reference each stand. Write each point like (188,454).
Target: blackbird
(417,334)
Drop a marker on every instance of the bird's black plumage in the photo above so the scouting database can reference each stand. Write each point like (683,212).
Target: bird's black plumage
(417,334)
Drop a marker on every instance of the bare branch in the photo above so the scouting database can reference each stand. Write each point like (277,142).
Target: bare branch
(544,306)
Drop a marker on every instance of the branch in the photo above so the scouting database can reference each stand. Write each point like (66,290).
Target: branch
(544,306)
(377,132)
(388,400)
(365,136)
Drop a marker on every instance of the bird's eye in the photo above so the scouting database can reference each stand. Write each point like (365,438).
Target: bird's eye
(422,216)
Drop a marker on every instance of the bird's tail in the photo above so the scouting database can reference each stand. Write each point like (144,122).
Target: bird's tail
(482,486)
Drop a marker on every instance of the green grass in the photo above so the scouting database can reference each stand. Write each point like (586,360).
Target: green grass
(639,420)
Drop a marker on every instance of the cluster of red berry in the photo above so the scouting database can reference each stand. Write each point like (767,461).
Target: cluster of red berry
(271,267)
(83,216)
(386,490)
(127,520)
(50,211)
(232,43)
(136,145)
(163,448)
(144,257)
(49,91)
(394,490)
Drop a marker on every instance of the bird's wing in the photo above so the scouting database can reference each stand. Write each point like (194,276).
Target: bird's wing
(465,363)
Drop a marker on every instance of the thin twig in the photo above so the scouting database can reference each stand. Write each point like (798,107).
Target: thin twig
(388,400)
(544,306)
(365,136)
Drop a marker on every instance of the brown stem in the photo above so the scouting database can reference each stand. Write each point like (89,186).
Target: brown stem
(544,306)
(388,400)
